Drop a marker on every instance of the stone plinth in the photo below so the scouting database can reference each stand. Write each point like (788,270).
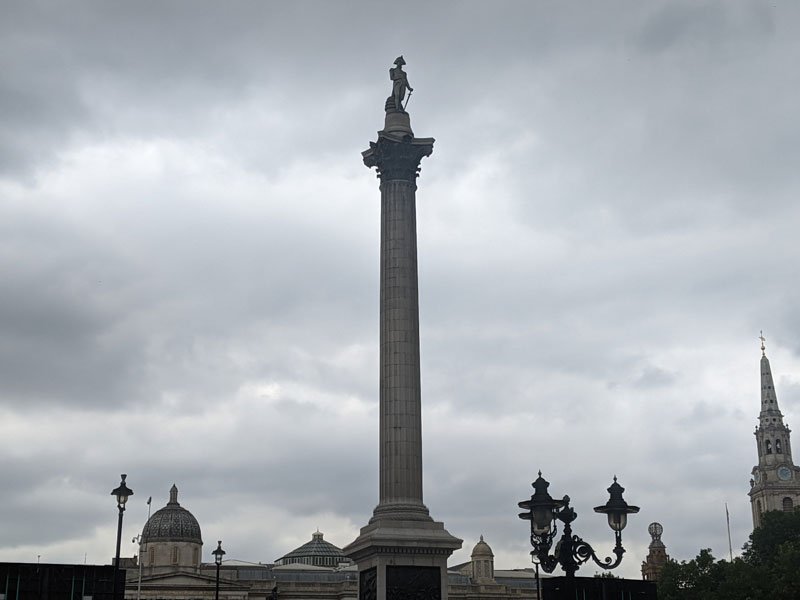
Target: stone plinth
(399,559)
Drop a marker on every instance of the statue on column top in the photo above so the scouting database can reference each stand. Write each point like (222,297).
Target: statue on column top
(399,86)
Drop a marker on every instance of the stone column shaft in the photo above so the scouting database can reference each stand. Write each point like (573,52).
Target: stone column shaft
(400,406)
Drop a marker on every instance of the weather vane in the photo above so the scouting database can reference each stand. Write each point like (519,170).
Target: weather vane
(763,339)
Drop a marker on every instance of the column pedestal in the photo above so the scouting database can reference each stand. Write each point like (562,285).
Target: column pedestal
(402,560)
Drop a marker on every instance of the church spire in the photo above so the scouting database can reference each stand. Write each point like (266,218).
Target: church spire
(770,413)
(775,482)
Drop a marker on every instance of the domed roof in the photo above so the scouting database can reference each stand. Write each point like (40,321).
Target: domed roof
(316,552)
(173,523)
(482,549)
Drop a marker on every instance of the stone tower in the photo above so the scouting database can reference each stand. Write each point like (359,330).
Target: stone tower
(775,484)
(482,563)
(657,555)
(402,552)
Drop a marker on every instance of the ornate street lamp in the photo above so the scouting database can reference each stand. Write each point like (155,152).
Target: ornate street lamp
(218,554)
(571,551)
(122,493)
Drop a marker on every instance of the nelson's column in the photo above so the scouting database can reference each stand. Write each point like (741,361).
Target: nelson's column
(402,552)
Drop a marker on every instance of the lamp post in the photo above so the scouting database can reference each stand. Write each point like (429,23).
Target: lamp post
(218,554)
(122,493)
(543,511)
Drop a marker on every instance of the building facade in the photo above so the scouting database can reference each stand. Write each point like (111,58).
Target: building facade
(171,569)
(775,482)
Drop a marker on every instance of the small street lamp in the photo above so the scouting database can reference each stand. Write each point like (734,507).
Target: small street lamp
(571,551)
(122,493)
(218,554)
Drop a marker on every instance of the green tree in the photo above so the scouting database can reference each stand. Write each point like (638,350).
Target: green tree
(697,579)
(784,570)
(774,548)
(703,578)
(743,581)
(776,529)
(605,575)
(768,568)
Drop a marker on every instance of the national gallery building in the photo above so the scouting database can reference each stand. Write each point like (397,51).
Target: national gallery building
(171,569)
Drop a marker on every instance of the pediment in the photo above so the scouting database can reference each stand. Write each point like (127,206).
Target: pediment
(185,580)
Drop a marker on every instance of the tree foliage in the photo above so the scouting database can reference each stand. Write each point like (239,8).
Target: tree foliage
(605,575)
(777,528)
(768,568)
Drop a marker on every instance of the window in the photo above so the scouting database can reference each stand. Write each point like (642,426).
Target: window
(758,506)
(196,557)
(151,556)
(769,446)
(788,505)
(777,447)
(174,555)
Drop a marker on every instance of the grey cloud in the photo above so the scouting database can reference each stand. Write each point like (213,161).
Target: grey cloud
(699,25)
(653,376)
(611,199)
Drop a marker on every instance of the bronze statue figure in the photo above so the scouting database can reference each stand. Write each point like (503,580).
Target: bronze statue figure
(399,84)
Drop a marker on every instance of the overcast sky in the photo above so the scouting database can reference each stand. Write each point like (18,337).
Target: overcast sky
(189,258)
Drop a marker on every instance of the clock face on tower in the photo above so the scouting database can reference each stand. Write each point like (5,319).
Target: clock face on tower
(784,473)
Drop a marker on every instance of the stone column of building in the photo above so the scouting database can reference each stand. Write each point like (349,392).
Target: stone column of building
(402,552)
(775,482)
